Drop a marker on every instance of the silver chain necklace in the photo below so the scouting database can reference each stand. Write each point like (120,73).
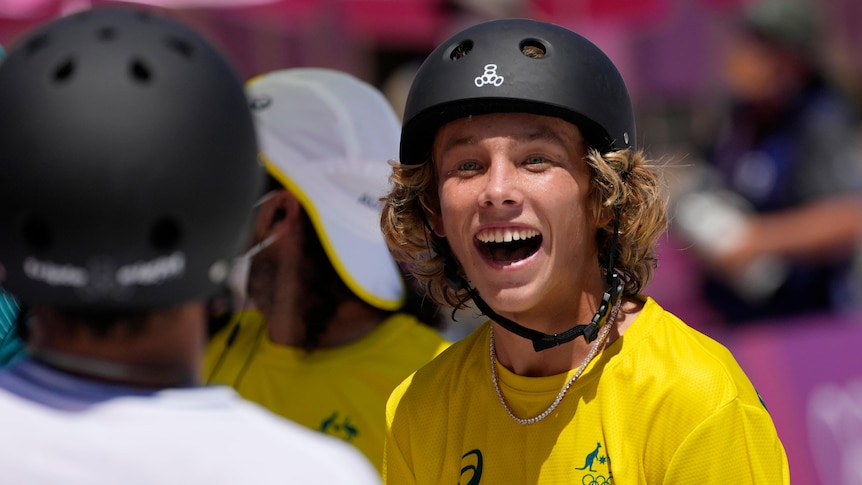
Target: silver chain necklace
(535,419)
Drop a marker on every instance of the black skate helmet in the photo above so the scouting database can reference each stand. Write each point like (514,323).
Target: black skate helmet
(483,69)
(128,161)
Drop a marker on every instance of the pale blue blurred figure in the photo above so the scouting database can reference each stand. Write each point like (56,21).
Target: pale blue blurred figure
(10,345)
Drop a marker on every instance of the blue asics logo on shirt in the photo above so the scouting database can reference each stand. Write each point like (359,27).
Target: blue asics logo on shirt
(471,464)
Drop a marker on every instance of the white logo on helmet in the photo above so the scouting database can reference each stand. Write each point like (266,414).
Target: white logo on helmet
(56,274)
(103,275)
(489,77)
(152,272)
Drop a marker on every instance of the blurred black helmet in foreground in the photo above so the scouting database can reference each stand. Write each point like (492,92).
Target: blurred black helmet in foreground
(128,161)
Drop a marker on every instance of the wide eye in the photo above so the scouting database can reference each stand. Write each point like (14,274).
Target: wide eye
(463,168)
(468,166)
(536,160)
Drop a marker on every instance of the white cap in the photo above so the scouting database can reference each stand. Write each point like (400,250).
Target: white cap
(328,137)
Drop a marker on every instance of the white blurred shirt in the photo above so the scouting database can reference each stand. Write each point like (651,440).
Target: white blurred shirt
(58,428)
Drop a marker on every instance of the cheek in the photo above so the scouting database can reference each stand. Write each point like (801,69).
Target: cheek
(576,215)
(588,199)
(452,199)
(436,219)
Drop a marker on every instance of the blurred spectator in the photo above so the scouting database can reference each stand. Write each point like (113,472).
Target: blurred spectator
(329,320)
(776,214)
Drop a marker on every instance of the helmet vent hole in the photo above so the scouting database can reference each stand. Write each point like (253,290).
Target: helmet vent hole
(461,50)
(106,34)
(64,71)
(36,234)
(36,44)
(165,234)
(533,48)
(180,46)
(140,72)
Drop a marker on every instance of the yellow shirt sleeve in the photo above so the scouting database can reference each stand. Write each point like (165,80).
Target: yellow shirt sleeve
(396,468)
(746,442)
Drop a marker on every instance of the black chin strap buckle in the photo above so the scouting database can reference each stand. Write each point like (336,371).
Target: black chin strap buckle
(591,332)
(543,341)
(609,299)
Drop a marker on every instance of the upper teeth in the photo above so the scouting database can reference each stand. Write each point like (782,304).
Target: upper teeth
(506,235)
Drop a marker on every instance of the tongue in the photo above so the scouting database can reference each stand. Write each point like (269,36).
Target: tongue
(508,253)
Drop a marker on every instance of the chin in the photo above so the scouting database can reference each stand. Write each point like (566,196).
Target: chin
(510,300)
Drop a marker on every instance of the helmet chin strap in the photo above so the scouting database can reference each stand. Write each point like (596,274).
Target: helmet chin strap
(543,341)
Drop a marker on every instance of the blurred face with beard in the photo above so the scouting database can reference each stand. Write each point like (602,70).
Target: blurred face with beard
(291,270)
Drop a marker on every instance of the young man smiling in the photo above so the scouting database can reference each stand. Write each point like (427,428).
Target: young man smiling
(520,172)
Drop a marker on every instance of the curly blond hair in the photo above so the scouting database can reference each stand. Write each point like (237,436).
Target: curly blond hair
(623,182)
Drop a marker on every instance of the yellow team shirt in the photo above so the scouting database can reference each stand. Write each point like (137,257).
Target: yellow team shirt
(340,391)
(664,404)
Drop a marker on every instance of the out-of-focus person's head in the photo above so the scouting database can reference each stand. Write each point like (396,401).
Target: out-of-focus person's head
(792,24)
(773,50)
(129,164)
(327,137)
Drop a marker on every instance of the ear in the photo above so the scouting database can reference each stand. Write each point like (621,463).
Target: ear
(277,215)
(605,216)
(437,225)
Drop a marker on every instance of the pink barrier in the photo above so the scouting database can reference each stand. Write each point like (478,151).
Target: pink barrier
(809,373)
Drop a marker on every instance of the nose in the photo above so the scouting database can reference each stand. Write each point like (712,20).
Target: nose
(501,185)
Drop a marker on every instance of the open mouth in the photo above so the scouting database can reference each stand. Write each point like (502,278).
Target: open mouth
(508,245)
